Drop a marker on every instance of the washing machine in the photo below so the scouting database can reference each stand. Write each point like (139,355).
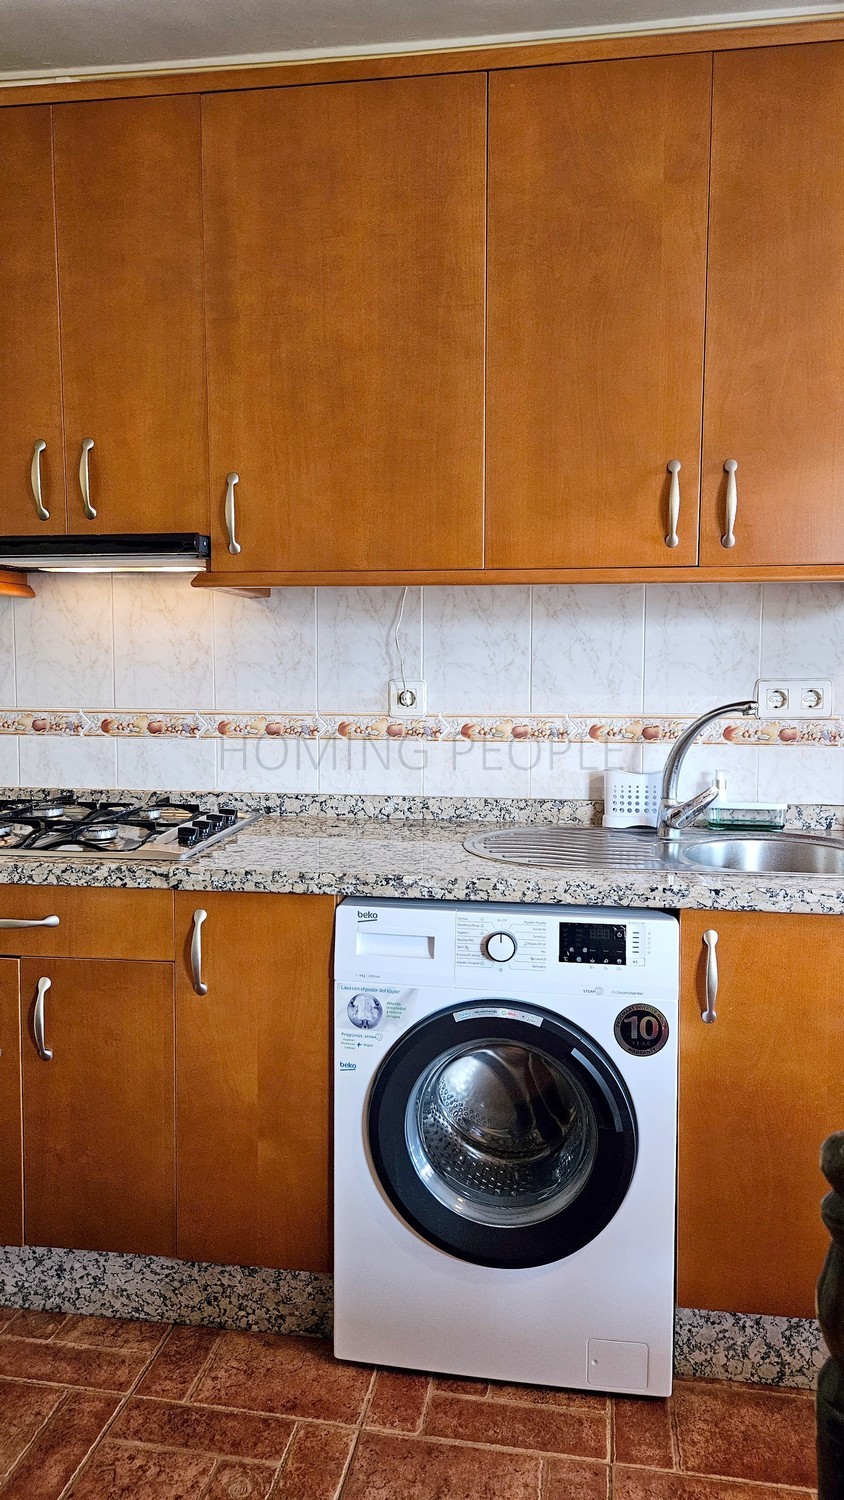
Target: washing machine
(505,1140)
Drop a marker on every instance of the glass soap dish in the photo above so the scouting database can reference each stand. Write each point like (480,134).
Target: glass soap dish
(760,816)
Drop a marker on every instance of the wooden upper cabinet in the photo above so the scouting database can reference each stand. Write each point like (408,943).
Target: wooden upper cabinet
(99,1115)
(252,1080)
(128,205)
(760,1089)
(344,242)
(774,345)
(30,371)
(597,279)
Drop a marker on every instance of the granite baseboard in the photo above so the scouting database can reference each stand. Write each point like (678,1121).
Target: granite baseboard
(709,1345)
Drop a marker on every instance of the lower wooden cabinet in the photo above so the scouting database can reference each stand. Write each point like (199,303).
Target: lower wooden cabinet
(98,1114)
(11,1140)
(252,1079)
(760,1089)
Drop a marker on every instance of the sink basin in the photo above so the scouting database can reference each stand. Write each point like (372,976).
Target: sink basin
(774,854)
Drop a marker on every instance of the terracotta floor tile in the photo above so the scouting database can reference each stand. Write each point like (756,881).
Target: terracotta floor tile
(316,1464)
(179,1362)
(112,1333)
(60,1447)
(541,1395)
(746,1432)
(545,1429)
(36,1325)
(575,1479)
(230,1434)
(292,1376)
(120,1472)
(388,1467)
(454,1387)
(61,1364)
(23,1409)
(642,1432)
(239,1481)
(398,1401)
(647,1484)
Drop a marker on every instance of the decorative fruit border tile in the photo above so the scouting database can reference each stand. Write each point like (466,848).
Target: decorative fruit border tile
(565,728)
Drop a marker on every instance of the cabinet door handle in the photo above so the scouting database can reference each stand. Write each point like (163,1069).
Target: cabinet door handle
(234,544)
(35,480)
(196,952)
(729,537)
(44,1052)
(672,539)
(710,937)
(7,924)
(85,479)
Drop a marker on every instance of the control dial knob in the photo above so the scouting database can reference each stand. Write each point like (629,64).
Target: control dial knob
(499,946)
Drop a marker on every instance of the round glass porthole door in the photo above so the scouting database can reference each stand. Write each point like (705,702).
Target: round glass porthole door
(506,1137)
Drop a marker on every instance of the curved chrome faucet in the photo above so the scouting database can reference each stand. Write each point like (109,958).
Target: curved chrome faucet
(674,815)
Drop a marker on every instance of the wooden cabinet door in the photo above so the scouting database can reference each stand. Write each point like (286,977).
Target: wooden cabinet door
(597,280)
(128,202)
(774,398)
(760,1089)
(98,1116)
(344,243)
(11,1158)
(252,1081)
(30,379)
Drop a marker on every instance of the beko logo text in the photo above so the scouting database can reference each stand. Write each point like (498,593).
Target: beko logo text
(367,916)
(347,1067)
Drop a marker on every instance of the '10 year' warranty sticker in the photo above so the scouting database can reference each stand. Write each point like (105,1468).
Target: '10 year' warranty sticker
(641,1030)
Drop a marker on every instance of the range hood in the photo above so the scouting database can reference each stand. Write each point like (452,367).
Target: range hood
(159,552)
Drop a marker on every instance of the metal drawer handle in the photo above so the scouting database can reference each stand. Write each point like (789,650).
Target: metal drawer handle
(729,537)
(710,937)
(234,544)
(35,480)
(84,479)
(8,923)
(672,539)
(44,1052)
(196,952)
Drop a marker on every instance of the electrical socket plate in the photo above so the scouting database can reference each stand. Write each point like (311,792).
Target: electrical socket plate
(800,698)
(419,688)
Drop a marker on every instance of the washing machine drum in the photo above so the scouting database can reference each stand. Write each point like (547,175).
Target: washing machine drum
(503,1135)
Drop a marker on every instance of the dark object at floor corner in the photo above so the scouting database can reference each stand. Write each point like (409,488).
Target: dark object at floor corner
(830,1398)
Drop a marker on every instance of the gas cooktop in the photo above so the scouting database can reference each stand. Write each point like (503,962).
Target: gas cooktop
(163,831)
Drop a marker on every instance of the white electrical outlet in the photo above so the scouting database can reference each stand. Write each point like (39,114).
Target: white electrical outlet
(408,699)
(788,698)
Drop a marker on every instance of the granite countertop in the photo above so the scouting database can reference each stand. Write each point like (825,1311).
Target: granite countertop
(426,860)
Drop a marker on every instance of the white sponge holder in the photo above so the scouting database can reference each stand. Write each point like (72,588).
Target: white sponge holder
(631,799)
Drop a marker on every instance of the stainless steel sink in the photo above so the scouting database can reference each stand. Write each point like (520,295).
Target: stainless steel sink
(775,854)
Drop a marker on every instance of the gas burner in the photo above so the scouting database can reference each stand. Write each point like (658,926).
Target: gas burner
(164,832)
(47,811)
(166,814)
(98,834)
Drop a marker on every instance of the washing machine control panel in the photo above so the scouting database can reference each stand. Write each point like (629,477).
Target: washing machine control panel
(539,944)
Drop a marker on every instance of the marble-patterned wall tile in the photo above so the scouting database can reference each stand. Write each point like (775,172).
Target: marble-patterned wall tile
(348,767)
(356,648)
(577,770)
(801,773)
(701,762)
(265,650)
(268,765)
(67,761)
(803,632)
(702,644)
(479,768)
(8,698)
(163,642)
(161,764)
(63,642)
(477,649)
(587,648)
(9,760)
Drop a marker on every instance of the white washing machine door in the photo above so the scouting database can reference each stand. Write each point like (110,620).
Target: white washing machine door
(503,1134)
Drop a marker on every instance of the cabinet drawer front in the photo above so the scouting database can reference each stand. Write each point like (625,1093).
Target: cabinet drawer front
(92,923)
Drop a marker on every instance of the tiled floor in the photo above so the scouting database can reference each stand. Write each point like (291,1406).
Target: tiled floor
(101,1409)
